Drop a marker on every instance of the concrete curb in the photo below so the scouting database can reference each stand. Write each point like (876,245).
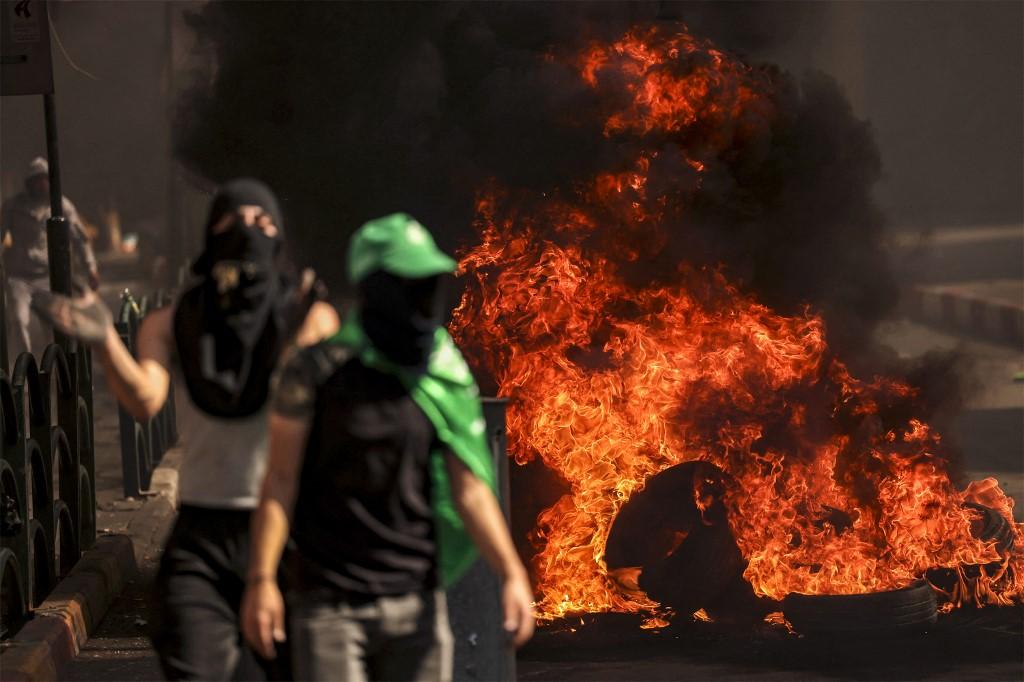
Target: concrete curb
(62,624)
(960,308)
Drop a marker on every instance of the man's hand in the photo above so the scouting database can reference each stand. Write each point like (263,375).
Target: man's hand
(485,523)
(262,605)
(517,604)
(85,318)
(263,616)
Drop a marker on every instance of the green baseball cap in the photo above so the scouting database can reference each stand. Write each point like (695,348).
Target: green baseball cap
(397,244)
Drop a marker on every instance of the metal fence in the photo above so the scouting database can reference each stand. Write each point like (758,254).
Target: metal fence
(143,443)
(47,475)
(48,465)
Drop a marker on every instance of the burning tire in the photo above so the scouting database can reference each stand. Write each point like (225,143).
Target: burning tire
(671,540)
(909,609)
(992,526)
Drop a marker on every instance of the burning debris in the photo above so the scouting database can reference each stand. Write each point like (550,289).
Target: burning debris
(671,542)
(622,369)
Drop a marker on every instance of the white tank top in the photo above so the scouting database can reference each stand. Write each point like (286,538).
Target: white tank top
(223,460)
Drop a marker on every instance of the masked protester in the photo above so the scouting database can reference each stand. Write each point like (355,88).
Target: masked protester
(26,259)
(381,472)
(221,342)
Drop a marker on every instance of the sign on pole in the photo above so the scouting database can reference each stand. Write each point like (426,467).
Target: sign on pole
(25,64)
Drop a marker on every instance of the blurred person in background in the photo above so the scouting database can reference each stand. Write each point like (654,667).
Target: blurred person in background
(26,260)
(381,473)
(220,341)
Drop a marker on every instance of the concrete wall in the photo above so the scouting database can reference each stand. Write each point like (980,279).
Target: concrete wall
(943,85)
(116,100)
(113,127)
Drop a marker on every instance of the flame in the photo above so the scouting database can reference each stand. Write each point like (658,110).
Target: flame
(778,619)
(702,616)
(612,381)
(654,623)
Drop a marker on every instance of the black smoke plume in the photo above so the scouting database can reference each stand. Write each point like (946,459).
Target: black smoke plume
(352,110)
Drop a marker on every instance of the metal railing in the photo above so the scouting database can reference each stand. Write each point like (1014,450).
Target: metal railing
(143,443)
(47,475)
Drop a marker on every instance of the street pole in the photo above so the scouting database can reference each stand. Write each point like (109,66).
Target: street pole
(174,243)
(58,239)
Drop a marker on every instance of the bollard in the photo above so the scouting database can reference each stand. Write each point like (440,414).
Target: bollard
(482,650)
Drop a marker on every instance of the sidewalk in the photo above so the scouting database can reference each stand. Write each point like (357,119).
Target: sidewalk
(989,309)
(967,279)
(119,649)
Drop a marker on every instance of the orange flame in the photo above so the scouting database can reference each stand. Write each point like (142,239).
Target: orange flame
(777,618)
(611,381)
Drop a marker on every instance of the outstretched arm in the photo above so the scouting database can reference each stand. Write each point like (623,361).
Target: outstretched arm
(479,510)
(140,385)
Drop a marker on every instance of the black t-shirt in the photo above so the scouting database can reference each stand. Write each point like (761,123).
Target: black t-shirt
(363,520)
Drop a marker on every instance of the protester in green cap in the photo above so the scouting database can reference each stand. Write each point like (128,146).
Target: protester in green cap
(381,474)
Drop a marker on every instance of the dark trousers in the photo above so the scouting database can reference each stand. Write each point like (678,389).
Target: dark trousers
(199,588)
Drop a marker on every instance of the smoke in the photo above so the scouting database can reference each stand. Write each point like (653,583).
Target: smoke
(353,110)
(112,126)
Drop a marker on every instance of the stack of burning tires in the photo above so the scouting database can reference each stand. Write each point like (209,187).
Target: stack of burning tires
(671,542)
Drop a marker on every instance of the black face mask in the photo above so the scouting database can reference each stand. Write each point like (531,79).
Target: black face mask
(239,265)
(241,242)
(230,326)
(401,317)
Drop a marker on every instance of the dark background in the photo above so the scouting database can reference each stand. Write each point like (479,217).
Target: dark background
(940,83)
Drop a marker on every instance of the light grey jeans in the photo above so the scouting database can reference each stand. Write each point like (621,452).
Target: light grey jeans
(388,638)
(25,331)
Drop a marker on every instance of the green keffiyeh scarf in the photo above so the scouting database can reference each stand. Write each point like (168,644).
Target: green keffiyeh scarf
(449,397)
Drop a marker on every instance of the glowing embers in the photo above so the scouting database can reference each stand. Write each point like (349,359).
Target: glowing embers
(616,374)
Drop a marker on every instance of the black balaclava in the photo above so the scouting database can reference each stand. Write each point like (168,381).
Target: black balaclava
(401,316)
(231,244)
(230,326)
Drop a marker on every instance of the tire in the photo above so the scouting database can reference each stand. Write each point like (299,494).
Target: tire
(992,526)
(688,559)
(909,609)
